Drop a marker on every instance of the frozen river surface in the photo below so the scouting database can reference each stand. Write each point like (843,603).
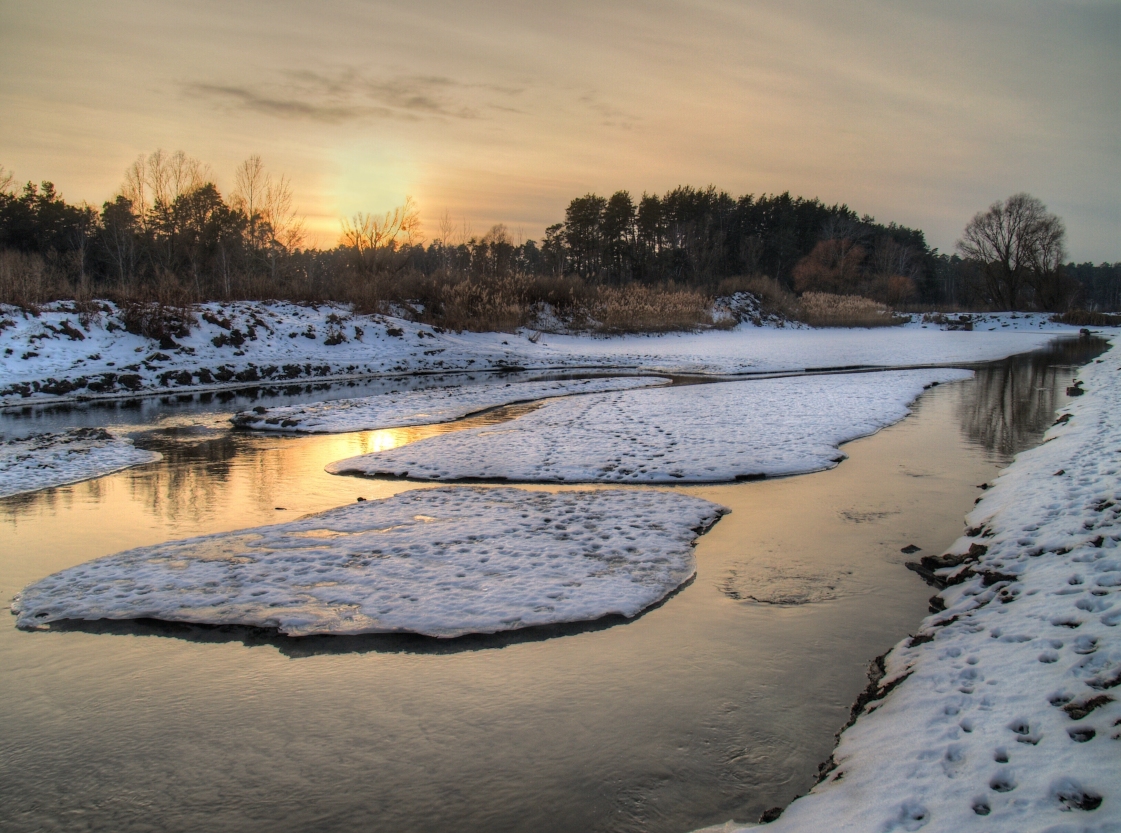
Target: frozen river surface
(717,704)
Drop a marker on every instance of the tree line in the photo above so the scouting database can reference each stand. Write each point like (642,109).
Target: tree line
(170,231)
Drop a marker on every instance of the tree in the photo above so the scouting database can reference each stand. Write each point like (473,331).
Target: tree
(371,238)
(204,224)
(366,232)
(250,186)
(1018,246)
(833,266)
(619,235)
(583,232)
(553,252)
(118,231)
(494,253)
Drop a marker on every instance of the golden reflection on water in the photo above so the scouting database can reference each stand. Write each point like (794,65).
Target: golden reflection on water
(213,483)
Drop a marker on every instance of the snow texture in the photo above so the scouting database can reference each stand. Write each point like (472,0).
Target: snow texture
(45,460)
(422,407)
(442,562)
(687,434)
(1004,711)
(64,353)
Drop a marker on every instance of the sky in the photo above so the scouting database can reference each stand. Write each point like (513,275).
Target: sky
(922,113)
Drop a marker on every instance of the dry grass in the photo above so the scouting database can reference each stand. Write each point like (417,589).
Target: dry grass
(646,309)
(507,302)
(160,307)
(1083,318)
(822,309)
(28,281)
(498,304)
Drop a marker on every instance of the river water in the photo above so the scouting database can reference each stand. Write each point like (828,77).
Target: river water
(717,704)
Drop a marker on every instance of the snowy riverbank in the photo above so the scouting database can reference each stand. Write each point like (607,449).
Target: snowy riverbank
(63,354)
(1002,712)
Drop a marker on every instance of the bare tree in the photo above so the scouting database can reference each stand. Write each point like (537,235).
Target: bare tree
(250,186)
(1018,246)
(281,214)
(447,227)
(135,188)
(152,184)
(369,233)
(7,180)
(1053,288)
(268,206)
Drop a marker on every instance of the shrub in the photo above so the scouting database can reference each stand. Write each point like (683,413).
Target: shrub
(27,280)
(157,320)
(821,309)
(499,304)
(638,308)
(1083,318)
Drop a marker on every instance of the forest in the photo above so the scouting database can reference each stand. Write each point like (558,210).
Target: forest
(169,234)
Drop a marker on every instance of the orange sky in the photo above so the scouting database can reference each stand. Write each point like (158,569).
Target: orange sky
(916,112)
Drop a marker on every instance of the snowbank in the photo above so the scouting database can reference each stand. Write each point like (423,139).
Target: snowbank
(441,562)
(696,433)
(64,353)
(422,407)
(1003,712)
(45,460)
(60,354)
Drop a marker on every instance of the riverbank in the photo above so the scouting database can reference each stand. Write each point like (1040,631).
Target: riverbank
(67,354)
(1002,710)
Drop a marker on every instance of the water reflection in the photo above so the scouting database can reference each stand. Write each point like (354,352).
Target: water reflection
(194,408)
(1011,403)
(207,472)
(297,647)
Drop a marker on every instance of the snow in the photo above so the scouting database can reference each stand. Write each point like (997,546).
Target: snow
(685,434)
(1003,712)
(755,350)
(422,407)
(62,353)
(441,562)
(41,461)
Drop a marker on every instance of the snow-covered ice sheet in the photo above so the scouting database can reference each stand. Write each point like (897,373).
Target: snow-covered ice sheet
(44,460)
(1003,712)
(749,349)
(423,407)
(688,434)
(441,562)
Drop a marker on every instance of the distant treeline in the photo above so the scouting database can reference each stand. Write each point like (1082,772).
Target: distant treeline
(170,234)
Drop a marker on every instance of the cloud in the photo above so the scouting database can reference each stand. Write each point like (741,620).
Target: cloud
(284,107)
(348,96)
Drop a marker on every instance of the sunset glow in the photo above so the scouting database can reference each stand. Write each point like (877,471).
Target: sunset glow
(502,112)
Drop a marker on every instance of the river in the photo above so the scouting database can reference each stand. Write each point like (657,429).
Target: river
(717,704)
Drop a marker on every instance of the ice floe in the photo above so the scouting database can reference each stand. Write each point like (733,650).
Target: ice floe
(441,562)
(1003,712)
(41,461)
(423,407)
(687,434)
